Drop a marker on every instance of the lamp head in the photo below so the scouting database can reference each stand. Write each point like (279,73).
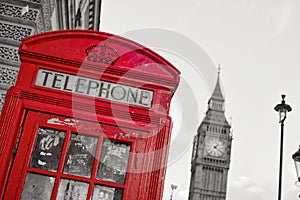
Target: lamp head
(282,109)
(296,157)
(173,187)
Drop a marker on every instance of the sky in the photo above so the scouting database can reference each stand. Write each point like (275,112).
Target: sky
(257,44)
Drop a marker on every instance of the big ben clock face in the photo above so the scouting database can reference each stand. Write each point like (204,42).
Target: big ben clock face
(215,147)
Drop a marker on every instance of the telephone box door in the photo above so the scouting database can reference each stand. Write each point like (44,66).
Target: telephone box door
(65,158)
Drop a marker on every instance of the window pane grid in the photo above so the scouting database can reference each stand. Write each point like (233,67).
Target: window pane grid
(90,183)
(110,184)
(95,167)
(63,153)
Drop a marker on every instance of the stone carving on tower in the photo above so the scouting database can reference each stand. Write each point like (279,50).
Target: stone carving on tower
(211,152)
(22,18)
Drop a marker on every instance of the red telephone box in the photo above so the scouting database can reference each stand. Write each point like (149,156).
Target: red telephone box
(87,119)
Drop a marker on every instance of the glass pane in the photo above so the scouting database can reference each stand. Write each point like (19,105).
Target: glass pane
(72,190)
(37,187)
(107,193)
(47,149)
(80,155)
(113,161)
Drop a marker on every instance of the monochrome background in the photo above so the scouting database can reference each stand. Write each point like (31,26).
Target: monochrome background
(257,44)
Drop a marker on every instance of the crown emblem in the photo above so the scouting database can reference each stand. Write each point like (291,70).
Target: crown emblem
(101,53)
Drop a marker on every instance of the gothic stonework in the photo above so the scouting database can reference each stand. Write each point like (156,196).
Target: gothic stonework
(47,14)
(52,5)
(211,152)
(39,23)
(34,1)
(14,32)
(8,75)
(9,54)
(15,11)
(2,98)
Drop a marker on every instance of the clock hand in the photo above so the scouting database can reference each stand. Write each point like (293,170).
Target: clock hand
(210,151)
(219,150)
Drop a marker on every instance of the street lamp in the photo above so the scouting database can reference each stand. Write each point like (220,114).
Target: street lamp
(296,157)
(173,187)
(282,109)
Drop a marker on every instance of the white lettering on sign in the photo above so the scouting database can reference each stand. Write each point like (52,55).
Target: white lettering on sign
(95,88)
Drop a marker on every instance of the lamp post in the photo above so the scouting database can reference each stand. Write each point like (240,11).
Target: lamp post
(282,109)
(296,157)
(173,187)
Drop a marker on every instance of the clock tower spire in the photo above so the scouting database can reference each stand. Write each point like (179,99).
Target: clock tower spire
(216,101)
(211,151)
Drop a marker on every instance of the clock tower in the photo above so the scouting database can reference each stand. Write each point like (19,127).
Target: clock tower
(211,152)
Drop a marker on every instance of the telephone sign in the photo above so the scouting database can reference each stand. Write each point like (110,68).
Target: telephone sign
(94,88)
(88,118)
